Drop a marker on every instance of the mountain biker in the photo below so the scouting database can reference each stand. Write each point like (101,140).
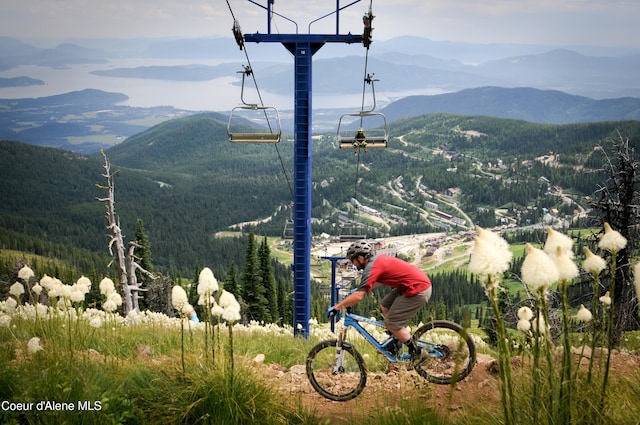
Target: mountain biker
(411,289)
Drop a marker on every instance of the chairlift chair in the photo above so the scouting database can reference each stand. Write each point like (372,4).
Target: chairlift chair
(267,117)
(373,131)
(352,232)
(366,136)
(287,232)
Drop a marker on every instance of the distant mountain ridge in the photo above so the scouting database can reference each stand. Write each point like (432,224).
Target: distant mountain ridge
(528,104)
(52,120)
(402,64)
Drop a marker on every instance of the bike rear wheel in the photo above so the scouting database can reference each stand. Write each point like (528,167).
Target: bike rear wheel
(336,383)
(451,351)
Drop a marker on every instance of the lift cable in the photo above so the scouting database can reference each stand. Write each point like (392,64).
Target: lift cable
(368,79)
(237,33)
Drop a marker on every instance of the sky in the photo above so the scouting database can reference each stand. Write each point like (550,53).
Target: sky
(549,22)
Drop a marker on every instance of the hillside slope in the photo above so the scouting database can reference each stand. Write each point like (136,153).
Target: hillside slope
(187,182)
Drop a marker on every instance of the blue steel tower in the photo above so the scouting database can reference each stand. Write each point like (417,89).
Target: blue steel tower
(303,47)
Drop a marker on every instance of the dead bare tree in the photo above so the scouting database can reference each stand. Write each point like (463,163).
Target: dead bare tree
(617,202)
(126,265)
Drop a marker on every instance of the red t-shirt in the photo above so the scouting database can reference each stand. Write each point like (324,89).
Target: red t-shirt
(395,273)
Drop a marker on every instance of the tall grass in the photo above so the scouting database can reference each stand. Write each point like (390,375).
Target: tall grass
(62,364)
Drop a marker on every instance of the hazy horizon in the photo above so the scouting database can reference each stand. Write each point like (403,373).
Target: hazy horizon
(566,22)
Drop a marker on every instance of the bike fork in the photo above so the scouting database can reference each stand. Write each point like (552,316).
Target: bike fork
(338,366)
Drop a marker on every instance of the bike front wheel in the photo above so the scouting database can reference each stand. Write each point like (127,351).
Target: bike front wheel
(450,350)
(336,375)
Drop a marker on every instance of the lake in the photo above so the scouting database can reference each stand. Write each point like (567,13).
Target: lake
(219,94)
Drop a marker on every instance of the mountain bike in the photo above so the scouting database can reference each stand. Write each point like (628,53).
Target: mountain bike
(337,371)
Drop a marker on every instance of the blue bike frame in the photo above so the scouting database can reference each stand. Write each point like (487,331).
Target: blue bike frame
(353,321)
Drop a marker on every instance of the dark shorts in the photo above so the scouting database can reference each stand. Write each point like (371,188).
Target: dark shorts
(401,308)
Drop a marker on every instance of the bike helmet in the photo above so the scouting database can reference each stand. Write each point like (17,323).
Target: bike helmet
(360,247)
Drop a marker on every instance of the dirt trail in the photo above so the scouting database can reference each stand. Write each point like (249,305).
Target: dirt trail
(385,391)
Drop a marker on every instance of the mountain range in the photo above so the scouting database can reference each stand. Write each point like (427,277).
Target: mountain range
(403,64)
(89,120)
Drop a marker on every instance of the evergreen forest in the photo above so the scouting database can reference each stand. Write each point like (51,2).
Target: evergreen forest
(203,201)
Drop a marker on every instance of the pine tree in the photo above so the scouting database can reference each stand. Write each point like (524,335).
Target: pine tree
(268,282)
(285,301)
(253,291)
(231,282)
(144,251)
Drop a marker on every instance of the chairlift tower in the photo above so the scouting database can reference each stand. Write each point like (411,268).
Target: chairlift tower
(303,47)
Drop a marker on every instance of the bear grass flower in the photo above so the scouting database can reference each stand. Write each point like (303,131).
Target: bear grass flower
(557,241)
(5,320)
(17,289)
(33,346)
(606,299)
(525,313)
(83,284)
(567,269)
(612,240)
(216,310)
(583,315)
(491,254)
(106,286)
(179,297)
(231,314)
(25,274)
(227,299)
(540,324)
(207,283)
(523,325)
(538,269)
(593,263)
(95,322)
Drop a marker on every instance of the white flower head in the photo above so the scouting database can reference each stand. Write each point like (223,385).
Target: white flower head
(109,306)
(207,283)
(593,263)
(116,298)
(37,289)
(84,284)
(33,346)
(557,240)
(25,273)
(10,305)
(583,315)
(491,254)
(96,322)
(567,269)
(179,297)
(17,289)
(525,313)
(107,286)
(524,325)
(231,314)
(76,295)
(606,299)
(538,270)
(186,309)
(5,320)
(227,299)
(47,282)
(612,240)
(540,324)
(216,310)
